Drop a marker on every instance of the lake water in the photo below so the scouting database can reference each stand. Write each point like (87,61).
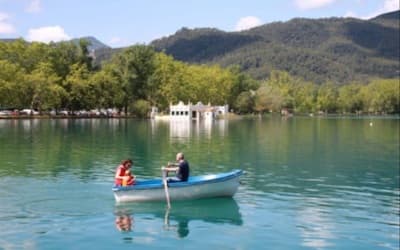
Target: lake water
(310,183)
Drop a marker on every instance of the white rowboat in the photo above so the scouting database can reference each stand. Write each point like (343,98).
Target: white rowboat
(203,186)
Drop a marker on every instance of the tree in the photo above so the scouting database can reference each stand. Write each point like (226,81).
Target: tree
(81,94)
(350,99)
(304,96)
(182,82)
(164,80)
(14,52)
(382,96)
(134,67)
(284,83)
(140,108)
(43,88)
(241,83)
(268,98)
(109,91)
(327,97)
(12,84)
(208,84)
(245,102)
(62,56)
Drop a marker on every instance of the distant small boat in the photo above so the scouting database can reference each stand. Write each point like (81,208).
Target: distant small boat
(202,186)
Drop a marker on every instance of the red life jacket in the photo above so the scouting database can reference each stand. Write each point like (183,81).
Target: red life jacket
(121,169)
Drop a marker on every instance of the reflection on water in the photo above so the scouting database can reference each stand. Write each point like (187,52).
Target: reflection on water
(184,129)
(178,218)
(311,183)
(179,129)
(124,222)
(315,226)
(181,227)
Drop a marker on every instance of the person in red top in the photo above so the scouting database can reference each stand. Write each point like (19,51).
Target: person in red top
(123,176)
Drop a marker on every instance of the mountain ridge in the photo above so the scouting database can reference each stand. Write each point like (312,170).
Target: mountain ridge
(319,50)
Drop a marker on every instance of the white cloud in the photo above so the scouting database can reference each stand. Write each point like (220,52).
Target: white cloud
(3,16)
(47,34)
(248,22)
(34,6)
(312,4)
(118,42)
(5,26)
(115,40)
(388,6)
(350,14)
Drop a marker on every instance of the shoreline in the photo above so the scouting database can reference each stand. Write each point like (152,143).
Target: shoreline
(42,117)
(57,117)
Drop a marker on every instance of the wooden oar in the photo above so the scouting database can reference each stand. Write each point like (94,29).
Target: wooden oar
(164,175)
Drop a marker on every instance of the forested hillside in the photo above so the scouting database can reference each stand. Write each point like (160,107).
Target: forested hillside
(336,49)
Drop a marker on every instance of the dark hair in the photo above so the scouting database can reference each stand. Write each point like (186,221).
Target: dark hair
(124,162)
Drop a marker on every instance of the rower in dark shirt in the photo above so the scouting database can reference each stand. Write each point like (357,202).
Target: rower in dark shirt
(181,167)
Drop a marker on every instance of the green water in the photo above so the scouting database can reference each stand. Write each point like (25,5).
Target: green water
(310,183)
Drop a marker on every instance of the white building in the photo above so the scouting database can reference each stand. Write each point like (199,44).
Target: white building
(198,111)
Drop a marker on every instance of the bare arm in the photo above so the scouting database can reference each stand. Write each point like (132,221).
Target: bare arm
(172,167)
(118,174)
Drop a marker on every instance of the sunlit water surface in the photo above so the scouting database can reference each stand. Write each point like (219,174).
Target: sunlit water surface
(310,183)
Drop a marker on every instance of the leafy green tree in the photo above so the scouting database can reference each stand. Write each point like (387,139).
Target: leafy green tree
(141,108)
(26,55)
(43,88)
(208,84)
(12,84)
(35,54)
(241,83)
(282,81)
(81,94)
(164,80)
(382,96)
(245,102)
(62,56)
(135,66)
(327,98)
(108,89)
(350,98)
(14,52)
(304,96)
(268,99)
(183,82)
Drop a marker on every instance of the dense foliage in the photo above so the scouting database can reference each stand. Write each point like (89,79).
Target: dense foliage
(281,91)
(62,76)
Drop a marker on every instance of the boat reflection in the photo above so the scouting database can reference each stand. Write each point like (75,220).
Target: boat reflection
(178,218)
(124,222)
(181,226)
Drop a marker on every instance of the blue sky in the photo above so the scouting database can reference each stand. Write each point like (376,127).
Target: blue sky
(120,23)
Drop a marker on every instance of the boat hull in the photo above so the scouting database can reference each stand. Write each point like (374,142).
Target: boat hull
(206,186)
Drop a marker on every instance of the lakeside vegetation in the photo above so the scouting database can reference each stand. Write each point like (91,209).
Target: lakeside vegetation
(62,76)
